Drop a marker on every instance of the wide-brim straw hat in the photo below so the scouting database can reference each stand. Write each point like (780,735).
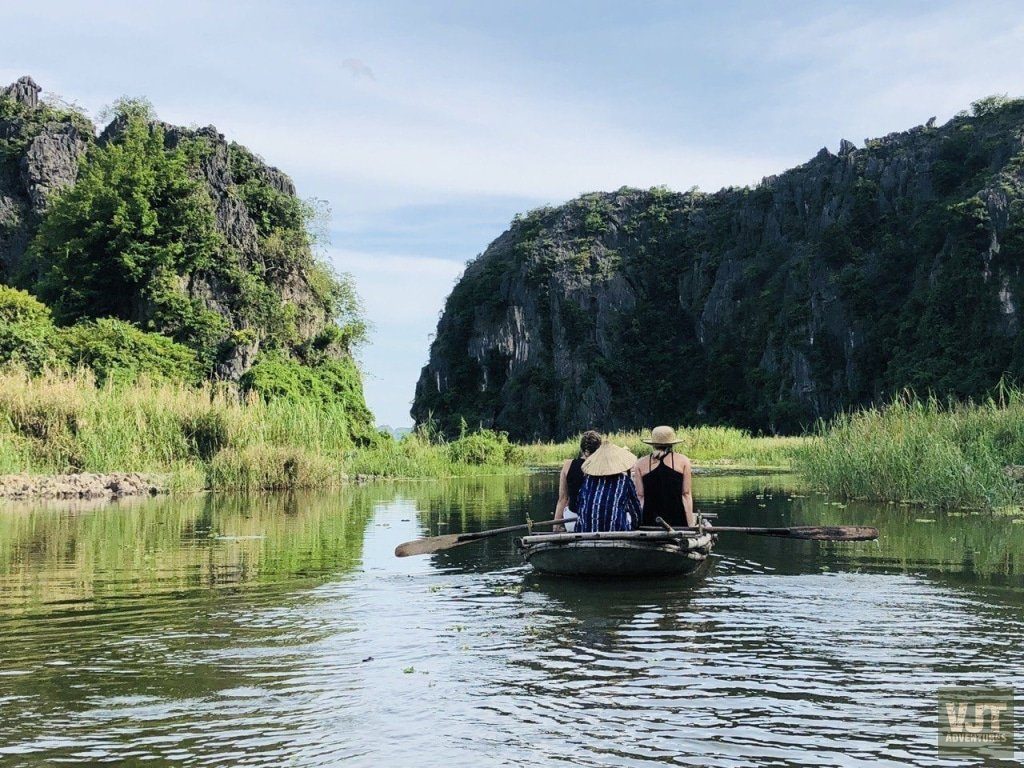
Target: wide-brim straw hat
(609,459)
(662,436)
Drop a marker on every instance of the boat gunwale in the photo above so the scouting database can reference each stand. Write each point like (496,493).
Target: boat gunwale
(693,553)
(682,539)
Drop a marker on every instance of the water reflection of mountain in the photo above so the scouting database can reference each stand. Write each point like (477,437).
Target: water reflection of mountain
(474,504)
(156,606)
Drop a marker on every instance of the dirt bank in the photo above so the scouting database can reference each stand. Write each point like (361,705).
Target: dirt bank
(85,485)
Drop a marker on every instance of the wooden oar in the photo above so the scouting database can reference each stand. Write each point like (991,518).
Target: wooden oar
(808,532)
(439,543)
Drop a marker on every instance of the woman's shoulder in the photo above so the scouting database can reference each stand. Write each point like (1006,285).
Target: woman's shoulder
(683,459)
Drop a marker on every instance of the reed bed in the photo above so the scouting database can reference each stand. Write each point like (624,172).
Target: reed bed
(211,437)
(707,446)
(924,451)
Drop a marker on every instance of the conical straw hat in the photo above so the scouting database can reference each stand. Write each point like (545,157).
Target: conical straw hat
(609,459)
(662,436)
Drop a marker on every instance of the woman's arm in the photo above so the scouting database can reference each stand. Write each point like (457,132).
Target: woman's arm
(691,519)
(638,483)
(563,494)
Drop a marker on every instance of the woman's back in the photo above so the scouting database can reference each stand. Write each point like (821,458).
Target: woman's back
(608,500)
(663,482)
(607,503)
(574,479)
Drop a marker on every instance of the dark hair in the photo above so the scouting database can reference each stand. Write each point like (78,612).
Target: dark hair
(590,441)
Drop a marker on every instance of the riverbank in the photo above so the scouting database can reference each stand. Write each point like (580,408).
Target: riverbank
(923,451)
(62,436)
(84,486)
(207,437)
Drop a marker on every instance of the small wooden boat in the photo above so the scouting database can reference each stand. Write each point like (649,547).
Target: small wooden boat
(618,553)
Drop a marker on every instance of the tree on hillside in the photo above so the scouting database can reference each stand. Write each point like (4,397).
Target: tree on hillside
(112,244)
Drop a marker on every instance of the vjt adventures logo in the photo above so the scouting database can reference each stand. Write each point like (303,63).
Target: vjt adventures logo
(976,719)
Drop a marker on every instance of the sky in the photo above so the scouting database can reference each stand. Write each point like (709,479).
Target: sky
(426,126)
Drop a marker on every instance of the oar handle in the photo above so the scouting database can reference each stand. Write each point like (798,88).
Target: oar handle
(508,529)
(813,532)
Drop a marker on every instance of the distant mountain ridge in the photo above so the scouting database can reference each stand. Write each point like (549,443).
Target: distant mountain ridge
(834,284)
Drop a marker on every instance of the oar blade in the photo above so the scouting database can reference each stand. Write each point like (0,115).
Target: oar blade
(831,533)
(428,546)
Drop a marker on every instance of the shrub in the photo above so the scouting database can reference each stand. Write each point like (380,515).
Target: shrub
(333,382)
(483,448)
(28,337)
(119,351)
(267,468)
(21,307)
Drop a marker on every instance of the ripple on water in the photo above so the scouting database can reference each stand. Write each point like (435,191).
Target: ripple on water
(296,638)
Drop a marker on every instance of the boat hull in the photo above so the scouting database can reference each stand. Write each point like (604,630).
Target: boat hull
(610,555)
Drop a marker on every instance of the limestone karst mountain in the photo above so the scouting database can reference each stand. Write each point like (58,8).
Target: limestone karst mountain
(895,264)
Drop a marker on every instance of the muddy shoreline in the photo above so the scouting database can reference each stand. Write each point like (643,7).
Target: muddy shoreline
(86,486)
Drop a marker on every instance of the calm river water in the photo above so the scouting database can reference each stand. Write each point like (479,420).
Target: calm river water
(281,631)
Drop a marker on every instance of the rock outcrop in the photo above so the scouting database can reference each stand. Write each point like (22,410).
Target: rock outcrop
(39,154)
(835,284)
(24,90)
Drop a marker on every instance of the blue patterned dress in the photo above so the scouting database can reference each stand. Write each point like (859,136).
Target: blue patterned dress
(607,503)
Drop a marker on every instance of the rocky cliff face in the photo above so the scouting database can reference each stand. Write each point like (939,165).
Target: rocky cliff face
(41,149)
(839,282)
(39,154)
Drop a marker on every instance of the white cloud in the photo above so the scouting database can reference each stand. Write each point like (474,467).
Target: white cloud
(358,69)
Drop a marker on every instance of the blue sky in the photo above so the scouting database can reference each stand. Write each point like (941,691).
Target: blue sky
(428,125)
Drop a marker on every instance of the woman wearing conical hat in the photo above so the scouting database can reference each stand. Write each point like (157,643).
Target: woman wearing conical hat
(570,482)
(608,500)
(664,481)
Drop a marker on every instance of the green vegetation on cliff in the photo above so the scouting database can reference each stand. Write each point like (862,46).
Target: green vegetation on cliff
(112,349)
(112,244)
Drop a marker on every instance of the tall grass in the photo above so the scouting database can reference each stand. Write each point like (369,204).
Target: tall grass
(923,451)
(709,446)
(210,437)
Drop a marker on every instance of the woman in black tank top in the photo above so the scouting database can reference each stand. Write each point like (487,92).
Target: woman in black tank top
(571,480)
(574,479)
(662,491)
(664,482)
